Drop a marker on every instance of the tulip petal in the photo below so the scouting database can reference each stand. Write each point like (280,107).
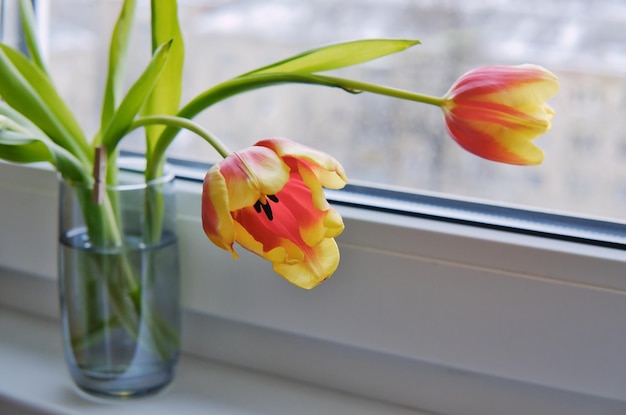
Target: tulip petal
(294,219)
(320,263)
(216,219)
(263,236)
(492,145)
(328,170)
(279,250)
(251,174)
(297,197)
(531,83)
(500,120)
(333,223)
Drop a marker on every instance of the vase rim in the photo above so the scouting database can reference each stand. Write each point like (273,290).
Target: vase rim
(131,164)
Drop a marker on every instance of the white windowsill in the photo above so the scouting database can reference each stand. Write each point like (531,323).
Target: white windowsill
(35,379)
(35,382)
(422,314)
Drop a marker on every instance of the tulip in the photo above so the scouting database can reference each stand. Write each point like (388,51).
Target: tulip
(269,199)
(495,112)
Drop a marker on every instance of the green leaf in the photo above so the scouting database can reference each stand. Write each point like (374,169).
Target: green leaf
(21,148)
(165,97)
(118,56)
(135,99)
(12,114)
(337,56)
(29,91)
(16,148)
(27,17)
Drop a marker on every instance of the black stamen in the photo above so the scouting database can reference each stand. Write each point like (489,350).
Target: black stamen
(268,210)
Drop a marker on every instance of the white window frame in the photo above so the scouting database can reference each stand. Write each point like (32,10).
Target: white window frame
(449,302)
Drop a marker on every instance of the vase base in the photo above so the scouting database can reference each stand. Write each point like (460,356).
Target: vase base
(121,388)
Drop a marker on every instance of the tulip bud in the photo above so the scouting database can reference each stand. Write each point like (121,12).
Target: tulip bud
(495,111)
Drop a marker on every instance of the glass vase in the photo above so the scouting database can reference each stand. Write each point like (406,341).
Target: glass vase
(119,283)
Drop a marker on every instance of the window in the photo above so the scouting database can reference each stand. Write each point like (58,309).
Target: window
(421,299)
(381,141)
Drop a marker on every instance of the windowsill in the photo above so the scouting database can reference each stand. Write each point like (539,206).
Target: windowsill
(35,381)
(282,374)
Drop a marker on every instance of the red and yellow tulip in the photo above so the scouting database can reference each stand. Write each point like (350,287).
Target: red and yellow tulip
(269,199)
(495,111)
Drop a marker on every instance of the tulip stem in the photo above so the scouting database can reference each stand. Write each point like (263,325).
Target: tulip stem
(181,123)
(358,86)
(254,81)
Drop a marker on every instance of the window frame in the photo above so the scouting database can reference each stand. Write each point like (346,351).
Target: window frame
(478,271)
(449,208)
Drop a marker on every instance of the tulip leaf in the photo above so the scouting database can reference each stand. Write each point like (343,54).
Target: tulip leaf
(27,89)
(337,56)
(27,19)
(165,97)
(118,55)
(135,98)
(18,147)
(12,114)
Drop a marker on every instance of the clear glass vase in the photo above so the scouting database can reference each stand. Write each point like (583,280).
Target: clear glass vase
(119,284)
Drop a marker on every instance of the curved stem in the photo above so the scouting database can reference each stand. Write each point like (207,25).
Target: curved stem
(219,93)
(246,83)
(182,123)
(174,124)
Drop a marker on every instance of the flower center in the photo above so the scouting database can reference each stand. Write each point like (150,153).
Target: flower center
(263,204)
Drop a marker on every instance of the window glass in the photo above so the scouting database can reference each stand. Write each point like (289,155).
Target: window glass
(383,141)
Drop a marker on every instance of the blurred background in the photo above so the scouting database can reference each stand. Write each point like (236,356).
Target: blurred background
(381,141)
